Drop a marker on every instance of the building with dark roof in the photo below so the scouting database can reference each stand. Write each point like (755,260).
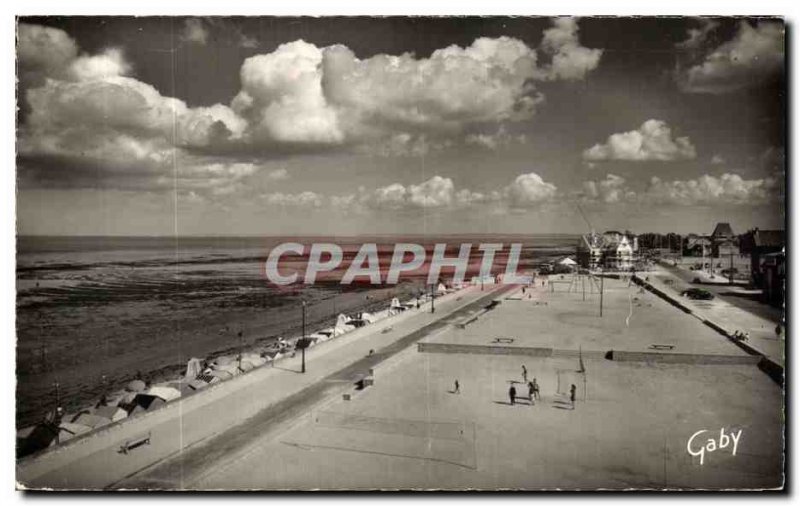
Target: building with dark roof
(724,242)
(760,245)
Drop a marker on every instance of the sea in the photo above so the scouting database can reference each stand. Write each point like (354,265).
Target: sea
(92,313)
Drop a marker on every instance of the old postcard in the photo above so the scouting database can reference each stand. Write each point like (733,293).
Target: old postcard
(400,253)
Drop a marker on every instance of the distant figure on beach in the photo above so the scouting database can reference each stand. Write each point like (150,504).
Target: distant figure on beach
(523,289)
(524,374)
(572,395)
(512,394)
(535,389)
(530,393)
(457,389)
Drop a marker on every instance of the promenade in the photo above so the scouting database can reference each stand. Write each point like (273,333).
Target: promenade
(94,461)
(630,427)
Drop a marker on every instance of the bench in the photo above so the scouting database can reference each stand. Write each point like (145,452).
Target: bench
(134,443)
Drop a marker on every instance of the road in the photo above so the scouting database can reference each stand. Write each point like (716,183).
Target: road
(731,294)
(734,312)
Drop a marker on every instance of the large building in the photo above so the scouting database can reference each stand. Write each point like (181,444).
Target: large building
(611,250)
(724,242)
(767,269)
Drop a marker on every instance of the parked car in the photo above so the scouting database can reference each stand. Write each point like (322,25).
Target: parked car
(730,271)
(697,294)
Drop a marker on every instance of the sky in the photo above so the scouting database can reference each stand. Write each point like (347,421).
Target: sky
(347,126)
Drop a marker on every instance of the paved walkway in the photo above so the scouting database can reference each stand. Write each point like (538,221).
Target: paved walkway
(329,374)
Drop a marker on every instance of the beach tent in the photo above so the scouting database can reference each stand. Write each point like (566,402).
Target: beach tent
(92,421)
(193,367)
(144,402)
(222,374)
(164,392)
(232,369)
(319,338)
(67,431)
(222,361)
(42,436)
(112,413)
(127,398)
(136,386)
(343,324)
(368,317)
(568,262)
(254,358)
(244,365)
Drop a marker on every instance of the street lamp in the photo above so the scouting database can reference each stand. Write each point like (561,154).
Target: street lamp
(57,418)
(241,349)
(303,341)
(601,292)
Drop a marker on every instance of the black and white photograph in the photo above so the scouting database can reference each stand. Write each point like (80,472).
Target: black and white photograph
(400,253)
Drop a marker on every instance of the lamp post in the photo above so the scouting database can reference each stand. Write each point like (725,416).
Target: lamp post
(57,418)
(241,348)
(601,293)
(303,345)
(730,272)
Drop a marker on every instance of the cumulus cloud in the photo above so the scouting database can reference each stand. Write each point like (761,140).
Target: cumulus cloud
(282,97)
(528,190)
(278,175)
(571,61)
(43,52)
(194,31)
(706,190)
(302,93)
(611,190)
(495,140)
(696,37)
(709,190)
(247,42)
(435,192)
(651,142)
(88,116)
(753,56)
(110,63)
(303,199)
(90,124)
(717,160)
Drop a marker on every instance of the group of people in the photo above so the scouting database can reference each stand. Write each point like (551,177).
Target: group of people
(741,336)
(533,390)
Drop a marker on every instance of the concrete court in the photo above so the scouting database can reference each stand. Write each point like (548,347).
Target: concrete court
(410,431)
(633,320)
